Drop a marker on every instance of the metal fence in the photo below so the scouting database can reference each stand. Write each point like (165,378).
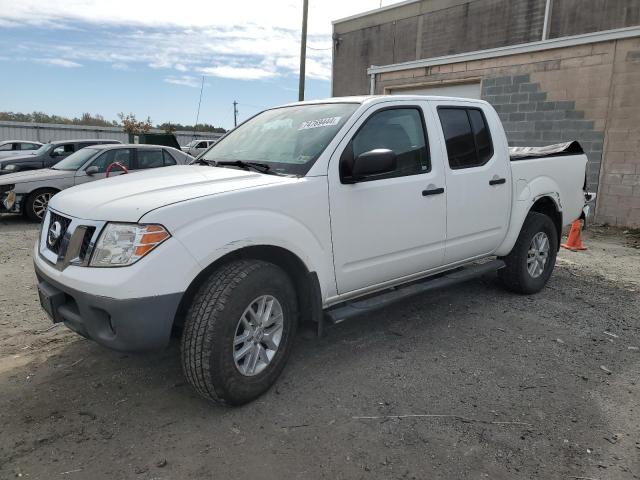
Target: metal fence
(46,132)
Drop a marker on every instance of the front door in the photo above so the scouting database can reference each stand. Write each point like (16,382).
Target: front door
(478,180)
(393,225)
(124,156)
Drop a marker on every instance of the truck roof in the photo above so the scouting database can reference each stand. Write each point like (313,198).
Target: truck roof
(372,99)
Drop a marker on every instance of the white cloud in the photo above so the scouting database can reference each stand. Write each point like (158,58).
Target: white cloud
(59,62)
(239,73)
(243,39)
(184,80)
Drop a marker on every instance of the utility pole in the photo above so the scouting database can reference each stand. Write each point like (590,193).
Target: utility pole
(303,49)
(235,113)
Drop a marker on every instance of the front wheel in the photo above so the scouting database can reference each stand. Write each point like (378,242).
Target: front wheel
(530,263)
(239,331)
(37,202)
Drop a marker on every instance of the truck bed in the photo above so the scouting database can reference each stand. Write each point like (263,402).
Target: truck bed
(557,150)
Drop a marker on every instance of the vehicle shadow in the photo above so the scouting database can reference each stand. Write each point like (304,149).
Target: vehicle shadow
(15,223)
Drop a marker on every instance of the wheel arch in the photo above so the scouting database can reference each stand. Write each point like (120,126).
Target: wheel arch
(546,203)
(306,283)
(28,195)
(548,206)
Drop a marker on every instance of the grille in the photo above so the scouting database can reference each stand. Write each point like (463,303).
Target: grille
(86,242)
(64,221)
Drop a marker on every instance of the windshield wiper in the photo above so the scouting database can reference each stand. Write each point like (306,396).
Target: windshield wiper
(260,167)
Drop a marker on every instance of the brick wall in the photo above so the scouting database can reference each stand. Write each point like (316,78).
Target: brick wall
(589,93)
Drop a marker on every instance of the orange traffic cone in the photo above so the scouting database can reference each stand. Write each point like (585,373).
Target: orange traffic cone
(574,242)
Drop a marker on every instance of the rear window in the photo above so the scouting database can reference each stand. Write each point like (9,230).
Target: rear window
(467,136)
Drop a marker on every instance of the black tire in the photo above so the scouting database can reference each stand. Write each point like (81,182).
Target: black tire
(33,206)
(515,276)
(211,323)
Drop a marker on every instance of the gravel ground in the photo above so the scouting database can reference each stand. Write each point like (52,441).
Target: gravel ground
(471,382)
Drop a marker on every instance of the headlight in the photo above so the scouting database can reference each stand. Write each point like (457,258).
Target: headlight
(122,244)
(9,168)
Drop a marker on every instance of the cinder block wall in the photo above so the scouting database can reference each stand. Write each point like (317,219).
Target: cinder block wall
(431,28)
(589,93)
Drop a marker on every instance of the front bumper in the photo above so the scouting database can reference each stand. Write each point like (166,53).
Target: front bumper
(11,202)
(134,324)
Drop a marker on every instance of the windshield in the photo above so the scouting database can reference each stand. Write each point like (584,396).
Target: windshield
(42,149)
(74,161)
(288,139)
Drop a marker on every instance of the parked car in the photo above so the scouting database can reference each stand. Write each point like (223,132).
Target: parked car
(47,155)
(9,148)
(196,147)
(311,211)
(29,192)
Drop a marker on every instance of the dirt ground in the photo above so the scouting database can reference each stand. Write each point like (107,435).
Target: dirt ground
(471,382)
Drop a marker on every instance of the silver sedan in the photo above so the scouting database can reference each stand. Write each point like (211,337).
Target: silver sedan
(29,192)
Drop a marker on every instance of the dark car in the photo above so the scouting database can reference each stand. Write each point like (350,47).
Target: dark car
(47,155)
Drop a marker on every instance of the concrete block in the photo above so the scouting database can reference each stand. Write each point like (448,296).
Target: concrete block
(630,180)
(527,107)
(519,98)
(621,168)
(521,79)
(544,125)
(545,106)
(537,97)
(517,117)
(612,179)
(529,87)
(621,190)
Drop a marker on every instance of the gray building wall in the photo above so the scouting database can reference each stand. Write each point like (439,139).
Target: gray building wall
(45,132)
(433,28)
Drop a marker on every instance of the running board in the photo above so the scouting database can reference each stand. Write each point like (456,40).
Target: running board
(353,308)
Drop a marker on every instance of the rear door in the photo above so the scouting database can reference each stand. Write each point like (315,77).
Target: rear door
(478,178)
(391,226)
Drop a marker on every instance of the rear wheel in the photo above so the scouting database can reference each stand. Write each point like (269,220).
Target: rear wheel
(530,263)
(239,331)
(37,203)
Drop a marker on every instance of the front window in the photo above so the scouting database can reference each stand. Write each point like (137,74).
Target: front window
(288,139)
(74,161)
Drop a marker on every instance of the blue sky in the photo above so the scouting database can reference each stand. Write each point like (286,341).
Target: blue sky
(147,57)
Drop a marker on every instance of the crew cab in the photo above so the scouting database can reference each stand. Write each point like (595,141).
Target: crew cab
(307,212)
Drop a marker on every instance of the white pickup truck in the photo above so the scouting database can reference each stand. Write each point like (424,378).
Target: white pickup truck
(306,212)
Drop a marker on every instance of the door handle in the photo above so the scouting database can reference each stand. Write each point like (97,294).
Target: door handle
(433,191)
(497,181)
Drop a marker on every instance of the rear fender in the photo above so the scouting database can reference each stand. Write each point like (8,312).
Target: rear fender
(525,196)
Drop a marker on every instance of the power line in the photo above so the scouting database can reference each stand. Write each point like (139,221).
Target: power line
(198,114)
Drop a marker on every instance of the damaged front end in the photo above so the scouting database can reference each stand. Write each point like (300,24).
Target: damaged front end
(10,201)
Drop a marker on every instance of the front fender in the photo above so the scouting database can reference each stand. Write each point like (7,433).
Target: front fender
(211,237)
(525,195)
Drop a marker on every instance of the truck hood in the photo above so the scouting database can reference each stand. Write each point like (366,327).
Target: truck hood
(34,176)
(126,198)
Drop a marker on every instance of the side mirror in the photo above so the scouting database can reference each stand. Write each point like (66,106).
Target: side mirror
(54,154)
(371,163)
(92,170)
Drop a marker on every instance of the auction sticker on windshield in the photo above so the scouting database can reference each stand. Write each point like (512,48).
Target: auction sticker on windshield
(321,122)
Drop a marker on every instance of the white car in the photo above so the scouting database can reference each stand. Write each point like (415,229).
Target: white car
(196,147)
(310,211)
(9,148)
